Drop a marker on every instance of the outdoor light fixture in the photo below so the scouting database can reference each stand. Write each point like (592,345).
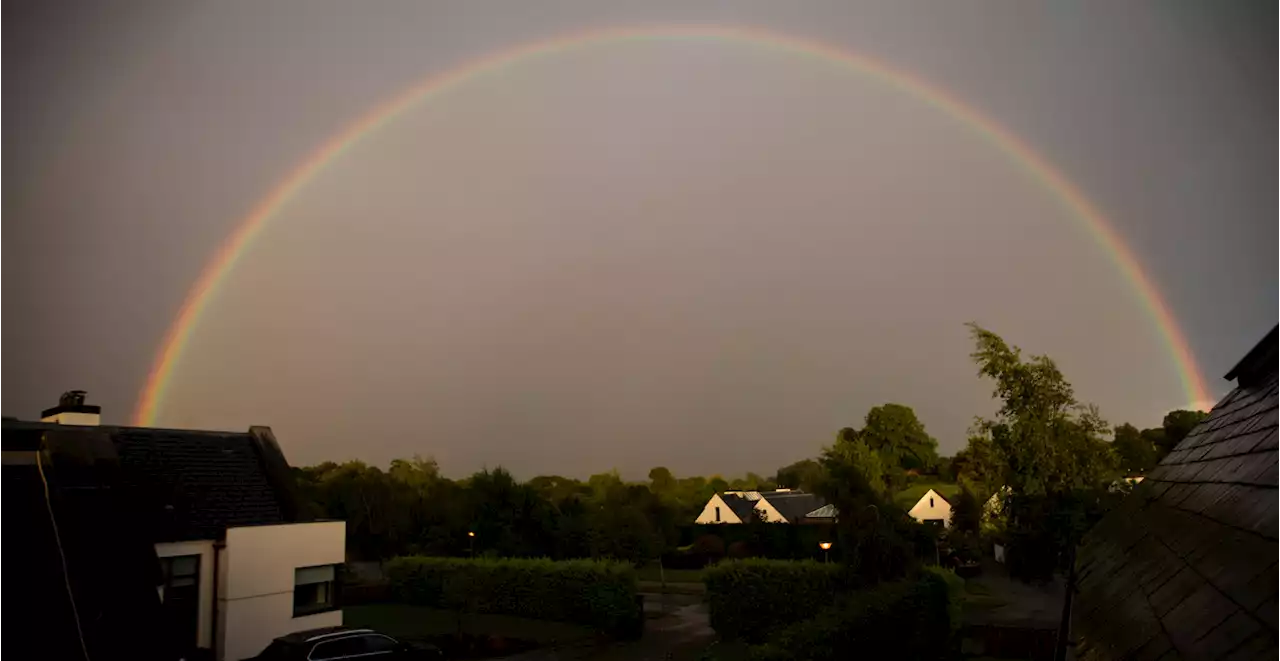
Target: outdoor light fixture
(470,534)
(825,546)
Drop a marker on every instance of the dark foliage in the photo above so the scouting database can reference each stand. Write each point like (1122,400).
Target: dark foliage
(600,594)
(748,597)
(912,619)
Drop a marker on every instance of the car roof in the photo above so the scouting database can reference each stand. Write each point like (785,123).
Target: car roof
(321,633)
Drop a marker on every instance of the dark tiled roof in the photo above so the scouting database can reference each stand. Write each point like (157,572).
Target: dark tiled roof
(1185,567)
(192,484)
(211,480)
(792,505)
(740,506)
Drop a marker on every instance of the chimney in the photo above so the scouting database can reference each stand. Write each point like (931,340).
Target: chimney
(71,410)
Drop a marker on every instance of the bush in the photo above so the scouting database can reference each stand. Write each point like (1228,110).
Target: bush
(600,594)
(954,594)
(747,597)
(900,620)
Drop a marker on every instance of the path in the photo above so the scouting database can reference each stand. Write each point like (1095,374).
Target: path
(678,630)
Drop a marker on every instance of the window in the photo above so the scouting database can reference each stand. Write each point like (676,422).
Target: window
(338,649)
(354,647)
(717,515)
(379,645)
(314,590)
(180,596)
(930,502)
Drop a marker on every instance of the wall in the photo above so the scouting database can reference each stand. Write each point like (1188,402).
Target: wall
(205,550)
(74,418)
(769,513)
(941,509)
(255,595)
(708,514)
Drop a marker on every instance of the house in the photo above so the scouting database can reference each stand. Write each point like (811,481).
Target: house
(932,509)
(196,534)
(778,506)
(1185,566)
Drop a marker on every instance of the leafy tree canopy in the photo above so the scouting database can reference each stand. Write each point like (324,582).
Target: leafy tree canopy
(1041,438)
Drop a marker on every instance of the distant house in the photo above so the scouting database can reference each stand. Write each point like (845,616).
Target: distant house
(779,506)
(179,539)
(1185,566)
(932,509)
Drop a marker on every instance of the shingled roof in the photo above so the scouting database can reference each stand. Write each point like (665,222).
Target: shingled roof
(194,484)
(1185,567)
(792,505)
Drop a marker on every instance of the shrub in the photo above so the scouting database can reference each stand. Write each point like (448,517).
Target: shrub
(954,594)
(600,594)
(901,620)
(747,597)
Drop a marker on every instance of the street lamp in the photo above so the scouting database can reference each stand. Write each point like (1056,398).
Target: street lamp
(826,548)
(471,541)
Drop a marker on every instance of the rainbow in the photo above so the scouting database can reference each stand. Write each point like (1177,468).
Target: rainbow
(233,248)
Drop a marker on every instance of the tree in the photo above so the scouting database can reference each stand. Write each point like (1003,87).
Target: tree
(853,453)
(804,474)
(661,480)
(1177,425)
(1047,448)
(966,513)
(894,431)
(419,472)
(1041,437)
(1134,453)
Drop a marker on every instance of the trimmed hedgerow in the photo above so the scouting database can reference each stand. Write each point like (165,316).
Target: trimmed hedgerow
(746,598)
(903,620)
(600,594)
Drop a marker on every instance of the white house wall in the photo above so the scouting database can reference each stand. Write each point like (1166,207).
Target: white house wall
(940,509)
(769,512)
(708,514)
(256,582)
(204,549)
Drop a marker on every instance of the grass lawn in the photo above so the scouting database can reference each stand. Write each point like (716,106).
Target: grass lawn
(650,574)
(410,622)
(911,495)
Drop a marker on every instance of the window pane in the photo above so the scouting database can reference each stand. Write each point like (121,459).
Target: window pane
(374,644)
(312,598)
(321,574)
(339,648)
(185,565)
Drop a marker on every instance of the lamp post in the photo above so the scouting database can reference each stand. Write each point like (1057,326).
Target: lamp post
(471,542)
(826,551)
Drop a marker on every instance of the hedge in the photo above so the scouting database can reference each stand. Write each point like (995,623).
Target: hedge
(901,620)
(746,598)
(600,594)
(955,595)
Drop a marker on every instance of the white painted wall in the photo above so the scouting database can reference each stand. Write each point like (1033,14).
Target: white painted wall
(708,514)
(769,512)
(74,418)
(205,550)
(932,506)
(256,572)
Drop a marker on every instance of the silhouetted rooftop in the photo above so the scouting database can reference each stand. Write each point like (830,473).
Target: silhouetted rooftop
(1185,567)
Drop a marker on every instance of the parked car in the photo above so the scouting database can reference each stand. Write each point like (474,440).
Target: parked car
(345,643)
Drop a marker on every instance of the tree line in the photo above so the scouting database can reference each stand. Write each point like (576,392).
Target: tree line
(1050,460)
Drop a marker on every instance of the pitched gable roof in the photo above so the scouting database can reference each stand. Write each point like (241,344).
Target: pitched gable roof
(741,507)
(195,484)
(1185,567)
(792,505)
(207,481)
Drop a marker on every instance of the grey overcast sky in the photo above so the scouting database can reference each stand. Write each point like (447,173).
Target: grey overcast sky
(689,253)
